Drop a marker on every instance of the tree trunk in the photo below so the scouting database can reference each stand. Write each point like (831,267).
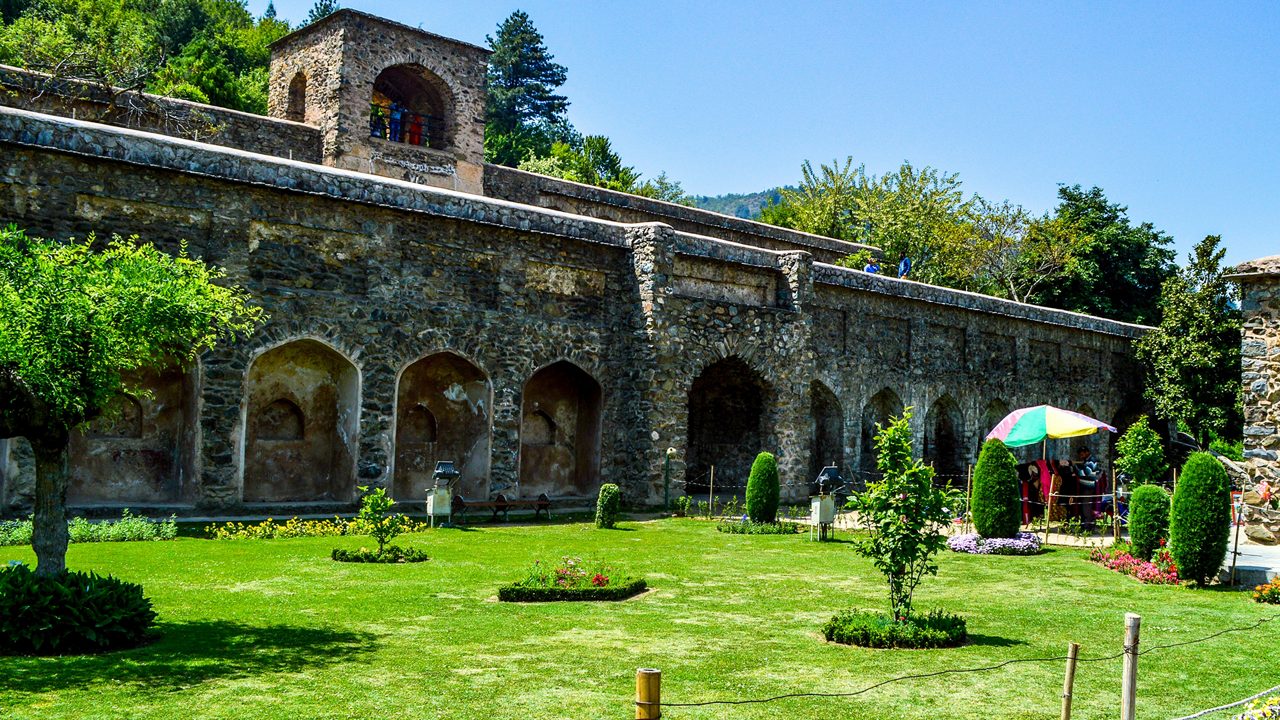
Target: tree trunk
(49,535)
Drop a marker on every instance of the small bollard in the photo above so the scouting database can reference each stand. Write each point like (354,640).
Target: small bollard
(648,694)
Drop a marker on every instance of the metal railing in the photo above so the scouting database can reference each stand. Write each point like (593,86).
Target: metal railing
(397,124)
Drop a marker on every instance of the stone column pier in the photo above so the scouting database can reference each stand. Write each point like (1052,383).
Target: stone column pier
(1260,364)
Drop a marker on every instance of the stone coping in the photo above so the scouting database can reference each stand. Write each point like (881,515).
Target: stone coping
(662,209)
(1260,267)
(341,13)
(977,302)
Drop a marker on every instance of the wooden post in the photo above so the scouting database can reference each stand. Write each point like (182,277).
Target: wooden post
(1129,688)
(1073,652)
(711,494)
(968,503)
(1048,508)
(1115,509)
(648,694)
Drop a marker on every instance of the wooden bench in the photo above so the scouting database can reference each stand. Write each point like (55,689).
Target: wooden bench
(500,504)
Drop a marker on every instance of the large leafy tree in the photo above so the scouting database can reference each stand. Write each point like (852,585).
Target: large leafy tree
(75,319)
(524,115)
(1116,268)
(591,160)
(1192,359)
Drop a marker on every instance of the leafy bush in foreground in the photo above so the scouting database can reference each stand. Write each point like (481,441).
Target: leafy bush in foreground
(1148,519)
(607,506)
(763,489)
(935,629)
(1200,518)
(997,497)
(70,613)
(1140,453)
(128,528)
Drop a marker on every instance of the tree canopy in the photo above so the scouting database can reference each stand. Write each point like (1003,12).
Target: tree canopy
(524,114)
(75,318)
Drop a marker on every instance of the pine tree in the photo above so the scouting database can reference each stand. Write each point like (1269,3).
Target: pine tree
(270,12)
(524,114)
(322,9)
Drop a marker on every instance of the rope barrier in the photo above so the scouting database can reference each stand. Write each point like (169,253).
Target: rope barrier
(1228,706)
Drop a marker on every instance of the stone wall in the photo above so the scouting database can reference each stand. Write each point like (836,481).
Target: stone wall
(29,90)
(578,199)
(587,347)
(1260,365)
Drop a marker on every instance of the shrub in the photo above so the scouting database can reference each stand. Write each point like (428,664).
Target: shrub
(1024,544)
(763,489)
(570,580)
(1269,593)
(904,515)
(746,526)
(682,505)
(1140,453)
(935,629)
(295,527)
(373,517)
(607,506)
(1200,518)
(128,528)
(1148,519)
(389,554)
(70,613)
(997,497)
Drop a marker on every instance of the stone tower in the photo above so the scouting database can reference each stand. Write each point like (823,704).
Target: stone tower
(388,99)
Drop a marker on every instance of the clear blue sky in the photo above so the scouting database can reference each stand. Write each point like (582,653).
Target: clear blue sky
(1172,108)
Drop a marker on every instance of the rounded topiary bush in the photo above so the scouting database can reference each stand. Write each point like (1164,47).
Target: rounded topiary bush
(607,505)
(1200,518)
(70,613)
(1148,519)
(997,498)
(763,489)
(935,629)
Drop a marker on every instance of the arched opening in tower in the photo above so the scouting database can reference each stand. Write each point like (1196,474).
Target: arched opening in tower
(411,105)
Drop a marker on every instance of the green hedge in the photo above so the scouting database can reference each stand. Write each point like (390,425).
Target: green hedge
(389,554)
(997,497)
(936,629)
(620,590)
(71,613)
(1148,519)
(747,527)
(607,505)
(763,489)
(1200,518)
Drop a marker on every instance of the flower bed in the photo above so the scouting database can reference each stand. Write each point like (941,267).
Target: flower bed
(389,554)
(1160,570)
(746,526)
(1269,593)
(1024,544)
(571,580)
(935,629)
(1259,709)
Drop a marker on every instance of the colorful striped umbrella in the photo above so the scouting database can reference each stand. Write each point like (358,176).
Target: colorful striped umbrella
(1034,424)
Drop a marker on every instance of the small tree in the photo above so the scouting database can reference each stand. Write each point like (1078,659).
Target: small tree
(997,497)
(374,519)
(607,506)
(904,515)
(763,489)
(1141,453)
(1148,519)
(73,319)
(1200,519)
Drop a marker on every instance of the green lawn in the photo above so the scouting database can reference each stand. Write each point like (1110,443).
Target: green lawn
(274,629)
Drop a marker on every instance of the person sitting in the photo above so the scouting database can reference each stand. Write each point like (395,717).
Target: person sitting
(1088,475)
(873,267)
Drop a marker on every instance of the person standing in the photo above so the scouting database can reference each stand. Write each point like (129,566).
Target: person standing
(904,266)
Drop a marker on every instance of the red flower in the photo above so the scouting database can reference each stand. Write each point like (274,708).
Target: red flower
(599,580)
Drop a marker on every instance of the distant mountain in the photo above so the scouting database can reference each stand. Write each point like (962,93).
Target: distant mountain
(743,205)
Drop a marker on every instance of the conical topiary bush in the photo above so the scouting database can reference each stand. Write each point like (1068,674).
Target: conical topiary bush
(997,498)
(1148,519)
(1200,519)
(763,489)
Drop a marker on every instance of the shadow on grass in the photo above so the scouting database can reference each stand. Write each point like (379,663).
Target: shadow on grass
(190,653)
(993,641)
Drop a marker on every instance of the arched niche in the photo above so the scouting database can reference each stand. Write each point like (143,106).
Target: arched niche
(301,425)
(296,110)
(560,432)
(944,445)
(828,429)
(443,404)
(727,424)
(140,451)
(412,105)
(879,409)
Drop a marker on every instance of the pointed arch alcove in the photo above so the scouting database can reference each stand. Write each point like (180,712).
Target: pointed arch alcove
(728,424)
(828,429)
(560,432)
(944,444)
(879,409)
(301,425)
(443,404)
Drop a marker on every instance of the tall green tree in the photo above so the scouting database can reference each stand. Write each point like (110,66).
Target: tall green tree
(524,114)
(75,318)
(321,10)
(1192,359)
(1116,268)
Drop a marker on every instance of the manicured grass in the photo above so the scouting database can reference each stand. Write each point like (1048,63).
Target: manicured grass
(275,629)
